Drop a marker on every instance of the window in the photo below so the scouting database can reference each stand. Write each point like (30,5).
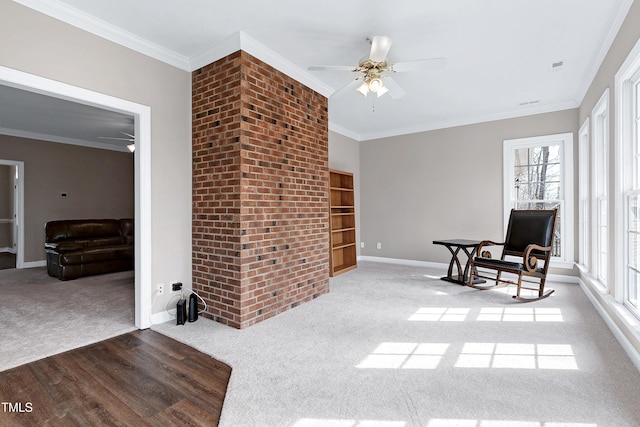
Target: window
(538,174)
(600,196)
(583,196)
(628,181)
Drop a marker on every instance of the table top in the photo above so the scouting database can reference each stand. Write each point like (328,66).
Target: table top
(458,242)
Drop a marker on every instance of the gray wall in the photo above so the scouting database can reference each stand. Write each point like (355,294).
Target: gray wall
(99,184)
(441,184)
(41,45)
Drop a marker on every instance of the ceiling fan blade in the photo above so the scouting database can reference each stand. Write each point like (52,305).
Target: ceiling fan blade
(331,68)
(380,46)
(128,134)
(420,64)
(353,84)
(395,91)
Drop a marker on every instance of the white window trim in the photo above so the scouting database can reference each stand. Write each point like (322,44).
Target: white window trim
(566,167)
(624,128)
(584,192)
(601,109)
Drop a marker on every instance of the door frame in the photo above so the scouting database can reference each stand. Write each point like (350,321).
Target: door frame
(142,175)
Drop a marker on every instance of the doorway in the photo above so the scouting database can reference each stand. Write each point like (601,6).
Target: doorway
(142,169)
(11,214)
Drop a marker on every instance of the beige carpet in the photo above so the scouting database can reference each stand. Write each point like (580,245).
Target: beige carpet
(393,346)
(42,316)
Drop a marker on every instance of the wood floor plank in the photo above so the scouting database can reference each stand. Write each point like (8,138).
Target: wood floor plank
(100,405)
(185,413)
(208,389)
(141,378)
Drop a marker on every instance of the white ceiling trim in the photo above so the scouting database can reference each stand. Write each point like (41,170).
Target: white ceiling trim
(344,131)
(61,140)
(86,22)
(467,121)
(614,25)
(238,41)
(242,41)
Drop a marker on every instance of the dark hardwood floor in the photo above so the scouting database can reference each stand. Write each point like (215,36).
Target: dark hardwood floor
(142,378)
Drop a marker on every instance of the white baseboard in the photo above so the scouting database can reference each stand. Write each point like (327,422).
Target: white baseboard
(628,347)
(399,261)
(8,249)
(551,277)
(32,264)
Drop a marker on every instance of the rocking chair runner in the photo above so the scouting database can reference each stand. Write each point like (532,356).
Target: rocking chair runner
(529,239)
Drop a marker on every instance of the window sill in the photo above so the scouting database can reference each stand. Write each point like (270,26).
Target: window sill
(558,263)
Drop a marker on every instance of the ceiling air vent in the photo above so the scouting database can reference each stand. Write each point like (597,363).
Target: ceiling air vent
(528,103)
(556,66)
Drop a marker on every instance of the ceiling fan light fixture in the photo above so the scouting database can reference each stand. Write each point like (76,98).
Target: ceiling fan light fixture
(375,84)
(363,89)
(131,147)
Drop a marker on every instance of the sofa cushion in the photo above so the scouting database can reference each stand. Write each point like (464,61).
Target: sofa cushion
(56,231)
(92,255)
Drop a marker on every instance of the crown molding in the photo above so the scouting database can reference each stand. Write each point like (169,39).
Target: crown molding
(237,41)
(61,140)
(86,22)
(244,42)
(614,24)
(560,106)
(333,127)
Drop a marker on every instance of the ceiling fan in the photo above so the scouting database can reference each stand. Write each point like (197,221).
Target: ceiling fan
(130,138)
(376,67)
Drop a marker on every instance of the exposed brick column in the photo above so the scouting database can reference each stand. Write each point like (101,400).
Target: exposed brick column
(260,190)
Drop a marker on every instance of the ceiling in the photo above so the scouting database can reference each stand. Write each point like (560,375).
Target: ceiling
(499,53)
(36,116)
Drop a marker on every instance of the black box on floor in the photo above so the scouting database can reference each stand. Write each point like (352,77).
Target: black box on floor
(181,311)
(193,308)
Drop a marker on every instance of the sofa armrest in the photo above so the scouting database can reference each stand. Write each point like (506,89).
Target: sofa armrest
(62,247)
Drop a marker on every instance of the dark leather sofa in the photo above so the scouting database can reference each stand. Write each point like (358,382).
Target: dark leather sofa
(85,247)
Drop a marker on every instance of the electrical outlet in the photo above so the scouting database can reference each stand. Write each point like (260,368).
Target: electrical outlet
(379,246)
(362,244)
(160,289)
(176,286)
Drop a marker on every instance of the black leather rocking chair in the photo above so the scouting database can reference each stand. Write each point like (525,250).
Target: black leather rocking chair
(529,240)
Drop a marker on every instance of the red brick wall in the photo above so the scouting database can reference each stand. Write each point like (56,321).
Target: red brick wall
(260,190)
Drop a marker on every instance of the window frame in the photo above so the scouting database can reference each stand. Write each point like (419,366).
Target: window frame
(584,195)
(565,140)
(627,180)
(600,125)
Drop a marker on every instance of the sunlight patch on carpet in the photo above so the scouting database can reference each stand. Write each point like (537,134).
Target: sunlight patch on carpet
(517,356)
(402,355)
(440,314)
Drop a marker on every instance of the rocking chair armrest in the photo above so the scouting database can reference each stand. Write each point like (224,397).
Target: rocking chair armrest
(487,243)
(531,262)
